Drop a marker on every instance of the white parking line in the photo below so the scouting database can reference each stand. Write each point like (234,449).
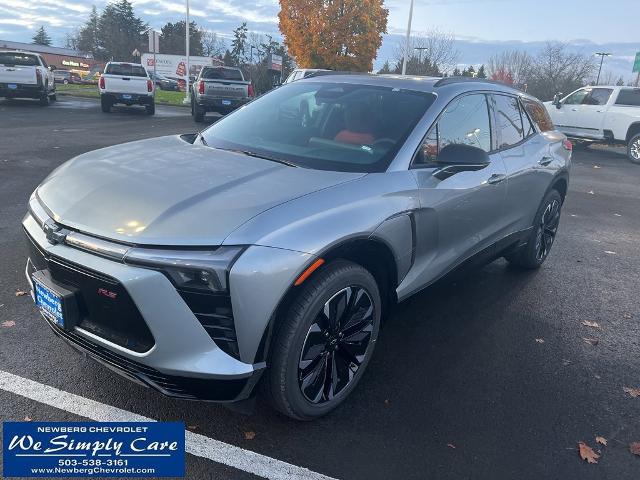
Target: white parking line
(196,444)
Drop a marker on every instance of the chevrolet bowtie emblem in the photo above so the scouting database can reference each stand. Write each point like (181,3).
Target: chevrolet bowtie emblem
(54,233)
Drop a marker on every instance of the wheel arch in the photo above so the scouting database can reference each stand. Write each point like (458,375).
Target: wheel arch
(633,130)
(561,184)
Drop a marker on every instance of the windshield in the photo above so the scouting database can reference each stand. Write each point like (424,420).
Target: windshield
(18,59)
(126,69)
(325,126)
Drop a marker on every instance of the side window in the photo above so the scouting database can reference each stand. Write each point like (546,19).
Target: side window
(598,96)
(538,113)
(526,123)
(44,62)
(508,120)
(629,96)
(465,120)
(577,97)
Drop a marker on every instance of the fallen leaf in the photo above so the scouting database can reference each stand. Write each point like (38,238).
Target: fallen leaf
(193,428)
(627,316)
(587,453)
(601,441)
(27,418)
(617,215)
(249,435)
(598,376)
(591,192)
(451,445)
(609,252)
(591,341)
(9,323)
(20,293)
(573,215)
(634,392)
(635,448)
(587,323)
(596,166)
(566,362)
(386,401)
(540,340)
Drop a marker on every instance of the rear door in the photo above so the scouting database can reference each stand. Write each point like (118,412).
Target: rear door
(461,214)
(527,156)
(18,68)
(126,78)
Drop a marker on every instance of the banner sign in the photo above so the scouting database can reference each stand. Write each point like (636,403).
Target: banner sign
(636,64)
(93,449)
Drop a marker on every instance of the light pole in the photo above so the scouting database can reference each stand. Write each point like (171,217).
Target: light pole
(187,97)
(406,46)
(602,55)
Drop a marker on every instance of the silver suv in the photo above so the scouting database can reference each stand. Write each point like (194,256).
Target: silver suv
(267,249)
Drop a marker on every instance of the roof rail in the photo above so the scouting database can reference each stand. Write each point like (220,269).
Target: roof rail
(451,80)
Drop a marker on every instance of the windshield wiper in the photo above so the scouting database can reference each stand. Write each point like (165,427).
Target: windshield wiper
(249,153)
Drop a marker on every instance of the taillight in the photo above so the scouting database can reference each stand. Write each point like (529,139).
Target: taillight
(567,145)
(201,87)
(250,90)
(149,86)
(39,77)
(101,83)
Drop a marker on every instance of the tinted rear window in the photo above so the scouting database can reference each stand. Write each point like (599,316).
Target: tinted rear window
(221,74)
(21,59)
(629,97)
(126,69)
(538,114)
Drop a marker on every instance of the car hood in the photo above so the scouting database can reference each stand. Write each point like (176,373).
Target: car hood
(166,191)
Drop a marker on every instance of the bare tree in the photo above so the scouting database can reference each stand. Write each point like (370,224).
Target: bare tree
(514,64)
(435,47)
(212,45)
(556,69)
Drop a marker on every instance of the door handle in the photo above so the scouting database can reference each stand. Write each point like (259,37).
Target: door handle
(496,178)
(546,160)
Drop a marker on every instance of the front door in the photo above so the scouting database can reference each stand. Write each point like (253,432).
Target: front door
(462,213)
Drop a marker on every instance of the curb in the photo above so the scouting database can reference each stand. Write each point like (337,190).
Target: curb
(71,95)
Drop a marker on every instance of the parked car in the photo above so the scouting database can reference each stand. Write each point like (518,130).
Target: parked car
(128,84)
(65,77)
(26,75)
(608,114)
(268,248)
(219,89)
(164,83)
(300,73)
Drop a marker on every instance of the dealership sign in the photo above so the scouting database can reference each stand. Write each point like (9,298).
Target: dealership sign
(93,449)
(175,66)
(275,62)
(71,63)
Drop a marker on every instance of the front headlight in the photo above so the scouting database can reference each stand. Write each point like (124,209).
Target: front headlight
(201,270)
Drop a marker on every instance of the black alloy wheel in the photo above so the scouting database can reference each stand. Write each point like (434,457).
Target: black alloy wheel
(547,229)
(336,344)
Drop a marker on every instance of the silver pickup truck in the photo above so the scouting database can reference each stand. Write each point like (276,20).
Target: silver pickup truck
(219,89)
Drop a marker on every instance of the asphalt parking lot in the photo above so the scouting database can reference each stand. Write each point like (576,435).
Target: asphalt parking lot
(485,375)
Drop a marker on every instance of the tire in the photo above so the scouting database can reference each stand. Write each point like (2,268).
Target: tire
(545,226)
(151,109)
(197,112)
(44,99)
(105,104)
(310,386)
(54,97)
(65,81)
(633,149)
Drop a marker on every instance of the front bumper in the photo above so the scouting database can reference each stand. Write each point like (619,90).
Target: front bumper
(180,360)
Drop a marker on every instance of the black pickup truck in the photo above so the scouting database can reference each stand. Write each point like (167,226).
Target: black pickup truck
(219,89)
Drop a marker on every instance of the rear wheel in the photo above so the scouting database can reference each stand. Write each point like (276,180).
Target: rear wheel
(151,109)
(633,149)
(322,348)
(105,104)
(44,98)
(197,112)
(543,234)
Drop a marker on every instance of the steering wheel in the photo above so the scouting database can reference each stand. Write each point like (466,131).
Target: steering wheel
(384,142)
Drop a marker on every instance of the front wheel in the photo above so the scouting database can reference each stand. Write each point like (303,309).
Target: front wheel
(633,149)
(542,236)
(323,345)
(105,104)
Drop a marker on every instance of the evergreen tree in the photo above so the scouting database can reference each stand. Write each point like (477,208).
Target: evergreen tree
(87,40)
(239,44)
(41,37)
(120,32)
(456,72)
(172,39)
(481,72)
(228,59)
(386,68)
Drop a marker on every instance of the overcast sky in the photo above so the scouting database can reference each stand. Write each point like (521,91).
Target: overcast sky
(484,21)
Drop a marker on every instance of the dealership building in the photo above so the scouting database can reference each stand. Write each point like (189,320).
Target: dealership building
(58,58)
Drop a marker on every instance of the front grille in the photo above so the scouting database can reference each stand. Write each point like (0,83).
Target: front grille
(215,315)
(115,319)
(174,386)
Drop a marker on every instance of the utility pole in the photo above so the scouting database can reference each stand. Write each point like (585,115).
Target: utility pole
(602,55)
(406,46)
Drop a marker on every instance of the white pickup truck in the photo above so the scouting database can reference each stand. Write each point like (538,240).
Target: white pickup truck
(126,83)
(608,114)
(26,75)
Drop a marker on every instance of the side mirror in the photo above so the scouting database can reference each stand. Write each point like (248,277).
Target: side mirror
(462,156)
(556,100)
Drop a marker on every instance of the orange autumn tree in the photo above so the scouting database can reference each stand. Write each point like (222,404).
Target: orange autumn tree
(334,34)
